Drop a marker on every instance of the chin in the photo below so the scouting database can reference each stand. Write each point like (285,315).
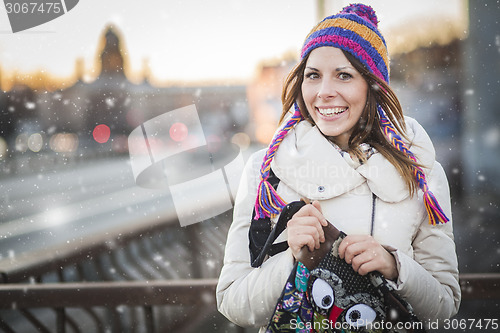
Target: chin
(329,131)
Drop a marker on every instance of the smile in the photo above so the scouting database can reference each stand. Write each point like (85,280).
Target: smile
(328,112)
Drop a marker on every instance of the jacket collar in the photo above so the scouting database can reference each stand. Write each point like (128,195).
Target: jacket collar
(308,163)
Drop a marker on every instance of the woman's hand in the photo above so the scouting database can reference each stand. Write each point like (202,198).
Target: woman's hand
(366,255)
(306,228)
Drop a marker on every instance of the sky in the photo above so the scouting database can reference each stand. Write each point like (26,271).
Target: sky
(190,40)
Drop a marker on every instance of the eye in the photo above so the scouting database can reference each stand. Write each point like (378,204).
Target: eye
(322,294)
(360,315)
(311,75)
(344,76)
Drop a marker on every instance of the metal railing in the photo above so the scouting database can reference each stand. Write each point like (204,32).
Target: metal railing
(476,286)
(195,295)
(151,277)
(146,294)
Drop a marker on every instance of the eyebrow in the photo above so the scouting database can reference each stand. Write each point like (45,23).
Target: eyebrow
(338,69)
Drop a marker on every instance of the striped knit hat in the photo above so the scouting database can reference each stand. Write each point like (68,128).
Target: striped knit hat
(354,30)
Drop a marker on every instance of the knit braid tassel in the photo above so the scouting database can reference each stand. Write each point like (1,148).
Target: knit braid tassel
(434,210)
(269,203)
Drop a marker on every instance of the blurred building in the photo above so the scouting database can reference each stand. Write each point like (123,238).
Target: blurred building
(428,84)
(481,121)
(66,118)
(264,97)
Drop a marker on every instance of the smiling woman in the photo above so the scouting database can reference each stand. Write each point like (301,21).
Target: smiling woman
(368,170)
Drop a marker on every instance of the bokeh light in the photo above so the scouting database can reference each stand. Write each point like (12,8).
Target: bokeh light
(35,142)
(22,142)
(178,132)
(3,148)
(101,133)
(64,142)
(242,140)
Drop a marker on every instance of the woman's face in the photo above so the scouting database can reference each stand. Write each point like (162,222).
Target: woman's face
(334,93)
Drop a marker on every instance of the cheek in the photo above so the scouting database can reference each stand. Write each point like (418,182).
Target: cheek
(308,93)
(355,93)
(361,94)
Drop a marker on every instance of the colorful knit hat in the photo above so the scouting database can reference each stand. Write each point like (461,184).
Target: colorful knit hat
(353,30)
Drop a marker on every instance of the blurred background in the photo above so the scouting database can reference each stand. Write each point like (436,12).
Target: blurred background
(73,89)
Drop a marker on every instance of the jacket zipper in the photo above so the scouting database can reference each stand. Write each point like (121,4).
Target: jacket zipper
(374,198)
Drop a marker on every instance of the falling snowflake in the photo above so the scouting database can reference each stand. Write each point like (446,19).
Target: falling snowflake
(110,102)
(30,105)
(210,263)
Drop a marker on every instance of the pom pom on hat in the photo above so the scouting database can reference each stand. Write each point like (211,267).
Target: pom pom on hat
(363,11)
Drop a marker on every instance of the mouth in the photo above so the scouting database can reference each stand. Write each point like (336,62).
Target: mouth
(330,112)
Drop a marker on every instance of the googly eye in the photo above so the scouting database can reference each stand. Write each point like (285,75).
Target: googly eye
(322,294)
(360,315)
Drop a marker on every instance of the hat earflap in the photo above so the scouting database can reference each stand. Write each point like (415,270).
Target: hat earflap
(434,210)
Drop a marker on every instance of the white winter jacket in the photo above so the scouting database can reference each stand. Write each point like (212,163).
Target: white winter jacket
(309,166)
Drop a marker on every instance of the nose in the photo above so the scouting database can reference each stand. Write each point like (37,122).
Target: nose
(327,90)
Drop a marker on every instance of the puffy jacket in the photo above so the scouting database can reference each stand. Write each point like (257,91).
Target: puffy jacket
(309,166)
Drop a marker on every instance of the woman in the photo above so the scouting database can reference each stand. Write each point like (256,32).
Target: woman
(368,169)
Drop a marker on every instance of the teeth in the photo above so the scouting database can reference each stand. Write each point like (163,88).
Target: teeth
(331,111)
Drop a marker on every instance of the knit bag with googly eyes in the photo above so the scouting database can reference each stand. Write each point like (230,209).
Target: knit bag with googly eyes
(324,294)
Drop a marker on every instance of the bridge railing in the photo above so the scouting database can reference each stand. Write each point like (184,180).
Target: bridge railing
(198,294)
(149,276)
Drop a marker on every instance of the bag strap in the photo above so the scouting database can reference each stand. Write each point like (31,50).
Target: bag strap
(269,248)
(262,237)
(261,228)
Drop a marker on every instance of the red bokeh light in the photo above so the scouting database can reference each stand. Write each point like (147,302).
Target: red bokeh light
(178,132)
(101,133)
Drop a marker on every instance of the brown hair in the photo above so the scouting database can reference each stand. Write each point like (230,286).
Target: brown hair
(368,128)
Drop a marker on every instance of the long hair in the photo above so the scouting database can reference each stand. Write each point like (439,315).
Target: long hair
(381,123)
(368,129)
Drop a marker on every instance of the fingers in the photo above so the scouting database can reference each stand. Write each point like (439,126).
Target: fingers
(322,219)
(312,214)
(366,268)
(306,225)
(365,255)
(353,245)
(314,210)
(304,238)
(305,228)
(362,262)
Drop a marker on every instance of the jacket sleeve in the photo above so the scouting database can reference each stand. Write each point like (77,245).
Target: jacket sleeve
(429,280)
(245,295)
